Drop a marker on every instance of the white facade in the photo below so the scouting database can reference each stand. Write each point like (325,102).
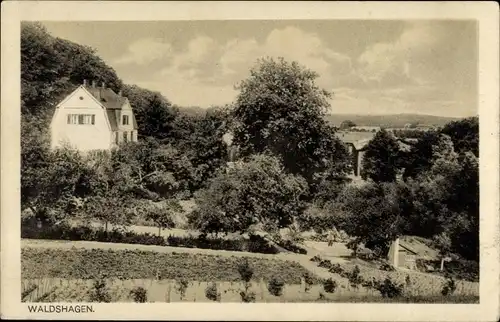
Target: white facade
(82,122)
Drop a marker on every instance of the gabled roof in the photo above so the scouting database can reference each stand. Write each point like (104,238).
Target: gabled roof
(107,97)
(113,104)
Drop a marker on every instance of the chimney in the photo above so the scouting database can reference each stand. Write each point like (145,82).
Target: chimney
(84,82)
(120,93)
(93,83)
(103,85)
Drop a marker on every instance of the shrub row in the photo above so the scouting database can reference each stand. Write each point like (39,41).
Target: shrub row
(254,244)
(386,286)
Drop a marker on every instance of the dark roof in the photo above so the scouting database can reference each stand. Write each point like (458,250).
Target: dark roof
(107,97)
(112,117)
(408,248)
(113,104)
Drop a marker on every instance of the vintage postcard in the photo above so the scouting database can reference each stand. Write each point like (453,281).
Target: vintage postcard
(250,160)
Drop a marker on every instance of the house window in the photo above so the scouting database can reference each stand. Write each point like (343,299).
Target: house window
(125,120)
(125,136)
(81,119)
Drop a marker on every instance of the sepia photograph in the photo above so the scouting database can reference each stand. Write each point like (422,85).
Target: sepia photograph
(267,161)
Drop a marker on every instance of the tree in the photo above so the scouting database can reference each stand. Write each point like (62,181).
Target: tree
(162,215)
(42,69)
(154,113)
(375,214)
(464,134)
(52,67)
(257,192)
(281,111)
(380,159)
(347,124)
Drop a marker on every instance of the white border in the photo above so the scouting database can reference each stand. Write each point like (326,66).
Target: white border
(485,12)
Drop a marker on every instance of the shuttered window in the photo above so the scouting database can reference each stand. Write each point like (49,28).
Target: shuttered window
(81,119)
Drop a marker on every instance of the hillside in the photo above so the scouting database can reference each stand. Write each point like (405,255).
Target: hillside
(389,120)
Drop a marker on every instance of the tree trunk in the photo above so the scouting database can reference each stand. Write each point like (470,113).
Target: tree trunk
(159,231)
(106,226)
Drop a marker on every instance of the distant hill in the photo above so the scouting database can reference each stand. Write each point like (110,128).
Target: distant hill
(390,120)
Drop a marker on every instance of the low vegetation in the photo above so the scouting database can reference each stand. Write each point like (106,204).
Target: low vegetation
(131,264)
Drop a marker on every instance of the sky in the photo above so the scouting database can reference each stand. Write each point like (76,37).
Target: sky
(372,67)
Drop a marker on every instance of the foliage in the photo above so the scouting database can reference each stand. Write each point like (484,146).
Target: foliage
(347,124)
(212,293)
(135,264)
(254,244)
(245,270)
(387,267)
(275,286)
(99,292)
(389,289)
(374,214)
(139,294)
(380,159)
(247,296)
(329,285)
(52,67)
(182,286)
(465,134)
(162,215)
(257,192)
(308,281)
(154,113)
(280,110)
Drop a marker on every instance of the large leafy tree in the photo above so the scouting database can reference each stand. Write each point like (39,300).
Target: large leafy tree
(465,134)
(52,67)
(42,69)
(255,192)
(375,213)
(280,110)
(380,161)
(419,158)
(155,114)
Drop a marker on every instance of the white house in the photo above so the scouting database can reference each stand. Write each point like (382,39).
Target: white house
(93,118)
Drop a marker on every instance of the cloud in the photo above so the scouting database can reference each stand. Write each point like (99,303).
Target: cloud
(291,43)
(145,51)
(401,61)
(205,64)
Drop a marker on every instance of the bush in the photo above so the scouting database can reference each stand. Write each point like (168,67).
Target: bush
(316,259)
(212,293)
(308,281)
(449,287)
(289,245)
(389,289)
(275,286)
(329,285)
(387,267)
(99,292)
(182,286)
(139,294)
(354,278)
(336,269)
(245,270)
(255,244)
(325,264)
(247,296)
